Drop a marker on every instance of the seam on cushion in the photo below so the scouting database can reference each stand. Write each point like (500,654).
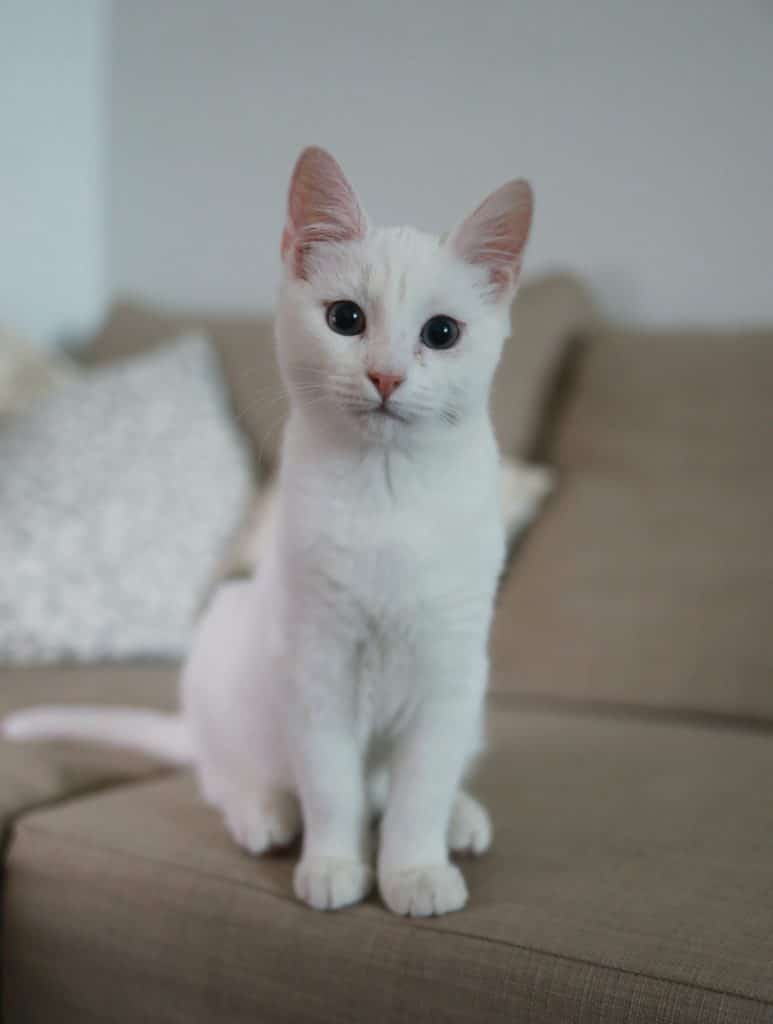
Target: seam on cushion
(9,826)
(372,909)
(580,707)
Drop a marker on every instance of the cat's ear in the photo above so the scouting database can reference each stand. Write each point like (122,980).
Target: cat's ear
(321,207)
(494,235)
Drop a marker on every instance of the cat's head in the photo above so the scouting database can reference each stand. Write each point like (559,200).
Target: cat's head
(391,330)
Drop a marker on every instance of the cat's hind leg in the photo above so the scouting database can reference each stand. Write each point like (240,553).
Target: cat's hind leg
(469,828)
(260,820)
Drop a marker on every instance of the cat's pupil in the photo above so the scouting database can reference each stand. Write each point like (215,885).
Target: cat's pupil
(440,332)
(345,317)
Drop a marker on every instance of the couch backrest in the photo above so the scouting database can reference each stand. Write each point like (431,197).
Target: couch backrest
(649,579)
(548,315)
(671,402)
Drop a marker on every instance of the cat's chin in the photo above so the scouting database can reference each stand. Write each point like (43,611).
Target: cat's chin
(381,413)
(374,425)
(382,423)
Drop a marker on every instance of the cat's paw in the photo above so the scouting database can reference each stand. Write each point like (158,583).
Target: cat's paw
(261,822)
(422,892)
(328,883)
(469,830)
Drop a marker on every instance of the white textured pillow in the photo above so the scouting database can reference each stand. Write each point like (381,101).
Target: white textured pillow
(117,494)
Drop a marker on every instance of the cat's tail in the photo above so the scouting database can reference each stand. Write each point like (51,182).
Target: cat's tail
(156,733)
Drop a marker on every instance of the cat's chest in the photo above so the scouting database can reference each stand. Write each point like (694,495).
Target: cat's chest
(389,674)
(394,575)
(381,546)
(405,559)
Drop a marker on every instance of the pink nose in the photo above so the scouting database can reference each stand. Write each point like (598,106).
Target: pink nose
(385,383)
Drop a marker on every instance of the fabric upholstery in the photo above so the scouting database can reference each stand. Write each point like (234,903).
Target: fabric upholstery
(673,404)
(43,773)
(548,314)
(630,880)
(649,576)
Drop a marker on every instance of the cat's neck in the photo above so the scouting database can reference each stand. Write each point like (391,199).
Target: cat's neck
(329,440)
(323,455)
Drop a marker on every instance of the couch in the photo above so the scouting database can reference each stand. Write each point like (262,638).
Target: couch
(630,760)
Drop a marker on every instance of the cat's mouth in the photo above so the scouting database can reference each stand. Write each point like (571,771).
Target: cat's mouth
(370,412)
(389,413)
(384,411)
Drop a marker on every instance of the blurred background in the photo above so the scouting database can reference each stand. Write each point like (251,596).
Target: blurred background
(146,144)
(146,152)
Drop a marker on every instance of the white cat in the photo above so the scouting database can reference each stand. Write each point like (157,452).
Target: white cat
(347,679)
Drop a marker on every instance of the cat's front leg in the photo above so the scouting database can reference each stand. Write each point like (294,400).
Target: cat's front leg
(334,870)
(415,874)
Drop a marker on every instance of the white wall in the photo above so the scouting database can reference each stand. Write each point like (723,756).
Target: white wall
(645,127)
(53,78)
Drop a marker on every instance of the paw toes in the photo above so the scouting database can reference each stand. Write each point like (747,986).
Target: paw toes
(469,830)
(259,824)
(329,883)
(423,892)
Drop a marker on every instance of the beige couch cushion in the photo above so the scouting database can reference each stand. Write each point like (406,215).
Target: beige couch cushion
(649,578)
(630,880)
(548,315)
(43,773)
(678,405)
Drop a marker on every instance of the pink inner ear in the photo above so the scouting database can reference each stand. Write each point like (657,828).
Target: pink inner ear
(321,207)
(494,236)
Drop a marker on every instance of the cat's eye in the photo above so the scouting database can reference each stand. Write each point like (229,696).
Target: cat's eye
(345,317)
(440,332)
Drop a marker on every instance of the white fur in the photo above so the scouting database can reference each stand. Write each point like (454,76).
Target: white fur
(158,734)
(347,679)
